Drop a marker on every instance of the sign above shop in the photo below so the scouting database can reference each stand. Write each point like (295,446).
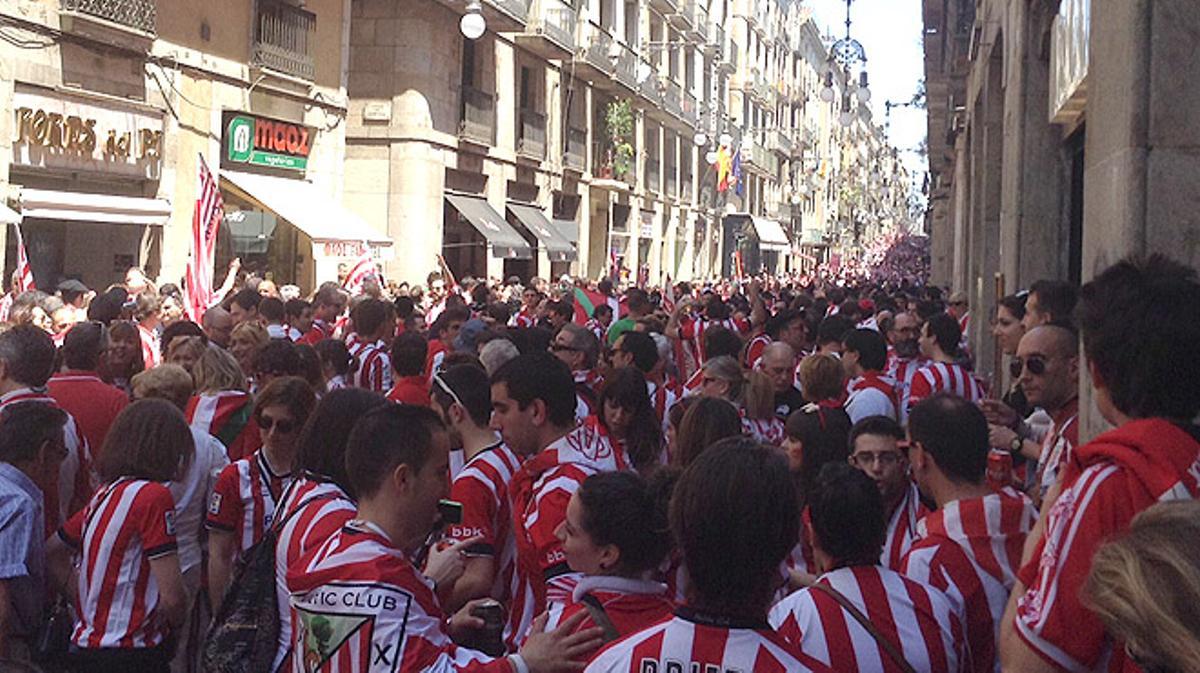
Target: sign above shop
(251,140)
(57,131)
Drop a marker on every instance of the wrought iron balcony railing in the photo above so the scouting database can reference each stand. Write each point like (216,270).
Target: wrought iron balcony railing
(575,156)
(478,119)
(136,14)
(532,139)
(285,38)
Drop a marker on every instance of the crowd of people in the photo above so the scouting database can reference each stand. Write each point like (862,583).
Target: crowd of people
(785,474)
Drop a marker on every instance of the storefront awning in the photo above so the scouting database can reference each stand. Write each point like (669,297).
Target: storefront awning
(8,215)
(569,230)
(48,204)
(306,207)
(558,249)
(505,240)
(770,235)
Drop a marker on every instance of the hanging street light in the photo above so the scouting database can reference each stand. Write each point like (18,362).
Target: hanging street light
(472,24)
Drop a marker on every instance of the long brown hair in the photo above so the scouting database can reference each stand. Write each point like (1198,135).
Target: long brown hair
(708,421)
(148,440)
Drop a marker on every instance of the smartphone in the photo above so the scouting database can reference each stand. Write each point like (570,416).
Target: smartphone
(451,512)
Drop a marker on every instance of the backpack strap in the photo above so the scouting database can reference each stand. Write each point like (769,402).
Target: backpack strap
(600,617)
(888,646)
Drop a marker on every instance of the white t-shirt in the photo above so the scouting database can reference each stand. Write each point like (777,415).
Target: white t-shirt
(191,495)
(866,402)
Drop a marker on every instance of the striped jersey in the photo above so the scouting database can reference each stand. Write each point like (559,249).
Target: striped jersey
(662,398)
(360,606)
(901,371)
(871,394)
(126,524)
(766,430)
(917,619)
(950,377)
(482,488)
(69,490)
(151,347)
(1057,446)
(630,604)
(689,642)
(374,364)
(971,551)
(754,350)
(539,492)
(319,331)
(595,327)
(902,528)
(692,330)
(312,511)
(524,318)
(245,497)
(226,415)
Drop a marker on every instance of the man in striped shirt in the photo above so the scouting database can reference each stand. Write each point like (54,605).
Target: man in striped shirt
(374,323)
(875,449)
(328,304)
(970,547)
(358,603)
(939,342)
(893,619)
(734,517)
(533,408)
(904,357)
(871,392)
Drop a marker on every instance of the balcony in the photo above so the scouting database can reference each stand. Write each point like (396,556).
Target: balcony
(604,171)
(683,17)
(508,15)
(478,117)
(691,109)
(715,43)
(137,15)
(550,31)
(653,175)
(531,136)
(594,62)
(627,62)
(575,158)
(699,22)
(780,142)
(665,7)
(673,98)
(729,57)
(651,90)
(285,38)
(759,87)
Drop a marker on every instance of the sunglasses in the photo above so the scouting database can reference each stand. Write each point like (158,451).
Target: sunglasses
(1035,364)
(445,388)
(282,426)
(562,347)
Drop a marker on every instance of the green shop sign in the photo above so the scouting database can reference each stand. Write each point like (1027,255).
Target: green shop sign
(268,143)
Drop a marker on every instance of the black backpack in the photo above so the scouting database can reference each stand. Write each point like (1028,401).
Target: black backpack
(245,630)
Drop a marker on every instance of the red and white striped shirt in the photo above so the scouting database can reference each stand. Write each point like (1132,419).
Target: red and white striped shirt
(971,551)
(226,415)
(690,641)
(245,497)
(151,355)
(374,364)
(630,604)
(663,398)
(754,350)
(523,318)
(69,490)
(540,491)
(382,612)
(692,330)
(921,622)
(766,430)
(902,371)
(482,488)
(126,524)
(313,510)
(950,377)
(595,327)
(319,331)
(902,528)
(871,394)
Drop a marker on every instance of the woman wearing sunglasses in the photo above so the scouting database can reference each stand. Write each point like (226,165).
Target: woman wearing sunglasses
(248,490)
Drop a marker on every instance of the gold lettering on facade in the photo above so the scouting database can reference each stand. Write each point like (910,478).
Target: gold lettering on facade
(76,135)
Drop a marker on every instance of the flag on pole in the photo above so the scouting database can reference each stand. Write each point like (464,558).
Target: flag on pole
(736,172)
(24,280)
(614,266)
(447,275)
(724,166)
(364,268)
(738,268)
(586,302)
(206,221)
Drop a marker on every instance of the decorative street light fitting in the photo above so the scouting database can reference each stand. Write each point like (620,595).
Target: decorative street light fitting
(849,55)
(472,24)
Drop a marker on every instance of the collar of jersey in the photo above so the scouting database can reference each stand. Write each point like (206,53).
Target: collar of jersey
(720,621)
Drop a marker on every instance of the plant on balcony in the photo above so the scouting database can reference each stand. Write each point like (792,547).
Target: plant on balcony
(618,126)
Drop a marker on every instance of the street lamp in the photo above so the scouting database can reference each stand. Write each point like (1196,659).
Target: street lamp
(848,54)
(472,24)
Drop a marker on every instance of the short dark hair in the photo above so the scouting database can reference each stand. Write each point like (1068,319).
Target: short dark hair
(321,449)
(1015,304)
(875,426)
(822,433)
(953,431)
(28,353)
(540,376)
(870,346)
(563,309)
(778,322)
(385,438)
(945,331)
(833,328)
(1056,297)
(734,517)
(404,306)
(180,328)
(641,346)
(278,357)
(472,388)
(150,440)
(619,508)
(294,308)
(637,300)
(333,352)
(1140,321)
(409,353)
(25,426)
(271,308)
(601,309)
(847,514)
(720,341)
(247,299)
(369,315)
(84,344)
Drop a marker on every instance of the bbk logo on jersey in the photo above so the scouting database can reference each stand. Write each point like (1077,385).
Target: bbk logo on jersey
(350,627)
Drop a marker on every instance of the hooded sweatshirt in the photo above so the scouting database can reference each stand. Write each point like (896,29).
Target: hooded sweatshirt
(1106,483)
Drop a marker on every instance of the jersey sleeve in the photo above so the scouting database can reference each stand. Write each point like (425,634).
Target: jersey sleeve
(154,515)
(550,509)
(479,517)
(427,647)
(1050,618)
(920,389)
(72,531)
(225,505)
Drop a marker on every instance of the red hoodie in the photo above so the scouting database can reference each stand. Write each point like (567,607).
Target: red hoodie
(1105,484)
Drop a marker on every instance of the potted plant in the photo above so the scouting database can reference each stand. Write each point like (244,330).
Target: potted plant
(618,123)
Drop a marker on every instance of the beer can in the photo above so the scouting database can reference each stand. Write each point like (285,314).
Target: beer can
(491,636)
(999,469)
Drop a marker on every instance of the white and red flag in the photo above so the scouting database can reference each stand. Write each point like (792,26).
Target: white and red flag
(24,275)
(363,269)
(206,221)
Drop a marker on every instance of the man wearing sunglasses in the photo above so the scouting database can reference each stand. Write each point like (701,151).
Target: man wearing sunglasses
(579,349)
(1047,366)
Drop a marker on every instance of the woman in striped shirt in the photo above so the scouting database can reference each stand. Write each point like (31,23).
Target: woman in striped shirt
(129,592)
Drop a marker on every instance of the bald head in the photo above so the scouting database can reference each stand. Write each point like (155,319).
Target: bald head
(779,363)
(1050,372)
(1053,340)
(218,323)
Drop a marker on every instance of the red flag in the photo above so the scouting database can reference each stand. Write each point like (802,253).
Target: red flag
(24,281)
(206,221)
